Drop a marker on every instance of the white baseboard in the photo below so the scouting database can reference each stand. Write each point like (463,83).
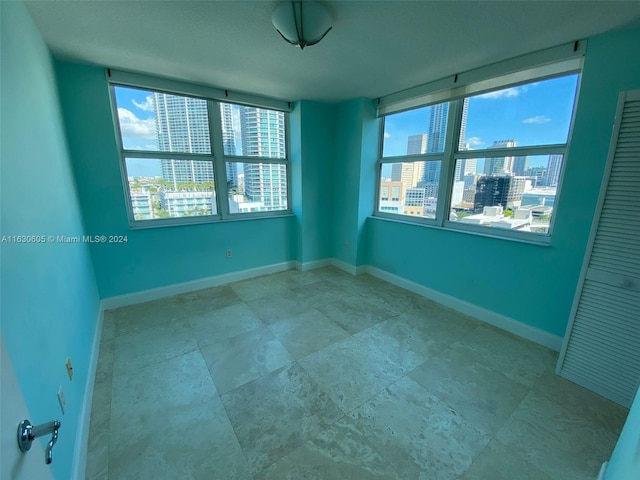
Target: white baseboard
(84,422)
(325,262)
(178,288)
(306,266)
(347,267)
(520,329)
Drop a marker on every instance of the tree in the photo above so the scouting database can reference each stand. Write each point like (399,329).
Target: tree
(161,213)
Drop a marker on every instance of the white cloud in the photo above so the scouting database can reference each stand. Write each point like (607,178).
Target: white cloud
(505,93)
(537,119)
(133,127)
(387,135)
(147,105)
(474,142)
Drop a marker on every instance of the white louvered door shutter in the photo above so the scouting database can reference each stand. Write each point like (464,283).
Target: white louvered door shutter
(602,347)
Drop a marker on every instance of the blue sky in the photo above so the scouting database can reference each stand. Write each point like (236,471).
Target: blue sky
(137,124)
(534,114)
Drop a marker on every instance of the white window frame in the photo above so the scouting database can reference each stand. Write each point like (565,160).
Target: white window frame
(213,97)
(552,63)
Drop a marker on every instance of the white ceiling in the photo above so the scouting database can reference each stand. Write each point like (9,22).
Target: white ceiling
(375,47)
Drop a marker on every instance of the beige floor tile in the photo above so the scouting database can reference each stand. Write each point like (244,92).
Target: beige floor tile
(307,332)
(480,394)
(206,300)
(143,348)
(197,386)
(581,401)
(144,316)
(340,452)
(356,313)
(497,462)
(195,443)
(167,421)
(277,413)
(517,359)
(259,287)
(294,278)
(245,357)
(419,434)
(223,323)
(143,399)
(276,308)
(350,372)
(425,335)
(108,326)
(318,293)
(558,441)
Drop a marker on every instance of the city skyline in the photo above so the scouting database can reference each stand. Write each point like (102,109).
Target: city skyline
(137,117)
(535,114)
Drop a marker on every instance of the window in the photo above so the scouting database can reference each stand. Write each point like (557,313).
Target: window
(183,164)
(256,166)
(487,161)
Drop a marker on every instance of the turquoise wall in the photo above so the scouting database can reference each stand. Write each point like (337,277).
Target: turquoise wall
(50,301)
(159,256)
(529,283)
(316,152)
(355,153)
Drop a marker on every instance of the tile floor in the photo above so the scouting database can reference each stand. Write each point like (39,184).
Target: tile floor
(321,375)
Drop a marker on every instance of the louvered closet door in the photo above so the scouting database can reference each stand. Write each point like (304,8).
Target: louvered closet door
(602,346)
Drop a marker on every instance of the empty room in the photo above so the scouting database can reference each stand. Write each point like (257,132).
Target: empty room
(320,240)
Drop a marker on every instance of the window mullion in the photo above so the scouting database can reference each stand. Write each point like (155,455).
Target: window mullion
(422,157)
(447,169)
(555,149)
(219,166)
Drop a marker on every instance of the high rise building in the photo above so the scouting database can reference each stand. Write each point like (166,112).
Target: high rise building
(182,125)
(552,177)
(436,135)
(263,135)
(520,166)
(229,143)
(462,145)
(464,167)
(417,144)
(437,127)
(500,165)
(407,172)
(179,172)
(411,172)
(538,175)
(504,190)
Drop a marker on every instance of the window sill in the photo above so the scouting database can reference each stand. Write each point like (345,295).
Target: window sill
(213,219)
(538,240)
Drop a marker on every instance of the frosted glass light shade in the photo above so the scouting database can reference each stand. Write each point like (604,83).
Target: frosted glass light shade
(301,23)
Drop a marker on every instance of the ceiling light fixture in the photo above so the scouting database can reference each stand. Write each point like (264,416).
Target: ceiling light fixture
(302,23)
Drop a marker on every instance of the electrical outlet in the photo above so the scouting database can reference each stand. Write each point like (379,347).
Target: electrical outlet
(347,246)
(229,253)
(69,369)
(62,400)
